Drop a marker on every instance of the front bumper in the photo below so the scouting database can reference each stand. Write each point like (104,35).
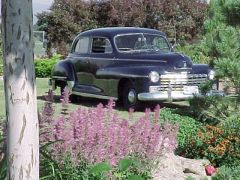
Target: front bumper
(173,95)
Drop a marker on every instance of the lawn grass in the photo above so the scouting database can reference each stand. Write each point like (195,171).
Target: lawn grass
(42,89)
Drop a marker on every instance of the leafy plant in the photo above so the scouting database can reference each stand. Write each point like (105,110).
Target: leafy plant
(43,67)
(196,52)
(225,172)
(3,157)
(188,126)
(126,169)
(3,160)
(98,135)
(214,144)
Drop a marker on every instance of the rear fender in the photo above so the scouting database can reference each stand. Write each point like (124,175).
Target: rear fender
(63,73)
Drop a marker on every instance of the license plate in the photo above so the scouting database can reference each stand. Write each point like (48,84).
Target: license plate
(190,90)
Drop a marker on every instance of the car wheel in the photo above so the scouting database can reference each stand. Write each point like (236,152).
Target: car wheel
(130,97)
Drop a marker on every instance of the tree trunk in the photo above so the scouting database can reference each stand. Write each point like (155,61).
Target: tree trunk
(20,90)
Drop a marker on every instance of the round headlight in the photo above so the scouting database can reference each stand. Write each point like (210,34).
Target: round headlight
(154,76)
(211,74)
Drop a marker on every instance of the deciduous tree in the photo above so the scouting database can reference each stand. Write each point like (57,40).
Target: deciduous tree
(20,91)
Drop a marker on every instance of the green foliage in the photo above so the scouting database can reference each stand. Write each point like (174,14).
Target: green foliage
(179,19)
(43,67)
(100,168)
(196,52)
(215,109)
(127,169)
(188,126)
(222,42)
(220,142)
(214,144)
(225,172)
(3,161)
(228,69)
(3,157)
(1,68)
(231,10)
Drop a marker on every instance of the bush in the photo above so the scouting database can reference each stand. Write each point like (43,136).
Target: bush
(215,145)
(43,67)
(188,127)
(1,69)
(219,141)
(3,159)
(225,172)
(196,52)
(214,109)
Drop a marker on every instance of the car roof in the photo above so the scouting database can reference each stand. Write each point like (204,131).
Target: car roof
(112,31)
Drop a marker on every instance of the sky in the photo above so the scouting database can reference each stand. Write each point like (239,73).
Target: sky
(39,6)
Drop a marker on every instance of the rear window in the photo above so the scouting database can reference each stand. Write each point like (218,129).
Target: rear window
(101,45)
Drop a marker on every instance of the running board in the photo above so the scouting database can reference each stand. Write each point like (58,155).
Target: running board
(94,96)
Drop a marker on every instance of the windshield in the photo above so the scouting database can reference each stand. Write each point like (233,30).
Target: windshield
(141,42)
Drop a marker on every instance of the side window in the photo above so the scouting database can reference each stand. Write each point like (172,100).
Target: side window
(101,45)
(82,45)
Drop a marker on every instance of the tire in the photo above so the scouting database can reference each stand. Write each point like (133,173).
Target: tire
(129,97)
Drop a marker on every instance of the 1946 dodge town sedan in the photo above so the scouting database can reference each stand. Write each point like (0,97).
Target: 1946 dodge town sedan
(128,64)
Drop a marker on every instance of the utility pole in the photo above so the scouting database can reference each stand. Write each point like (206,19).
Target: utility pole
(20,90)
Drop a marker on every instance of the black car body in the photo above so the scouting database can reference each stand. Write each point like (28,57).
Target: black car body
(129,64)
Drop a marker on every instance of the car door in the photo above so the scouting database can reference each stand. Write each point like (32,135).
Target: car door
(101,56)
(80,59)
(89,55)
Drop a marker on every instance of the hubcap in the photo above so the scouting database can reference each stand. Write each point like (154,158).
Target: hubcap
(131,96)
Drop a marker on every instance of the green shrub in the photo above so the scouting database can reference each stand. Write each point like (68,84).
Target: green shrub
(188,126)
(1,66)
(219,141)
(228,173)
(196,52)
(214,144)
(3,159)
(127,168)
(43,67)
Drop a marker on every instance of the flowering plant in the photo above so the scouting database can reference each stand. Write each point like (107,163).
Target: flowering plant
(215,144)
(100,135)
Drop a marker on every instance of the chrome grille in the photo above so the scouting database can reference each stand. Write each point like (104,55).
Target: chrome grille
(177,81)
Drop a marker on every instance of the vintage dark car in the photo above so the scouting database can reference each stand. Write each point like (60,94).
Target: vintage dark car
(128,64)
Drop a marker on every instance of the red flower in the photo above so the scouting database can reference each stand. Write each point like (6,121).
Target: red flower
(210,170)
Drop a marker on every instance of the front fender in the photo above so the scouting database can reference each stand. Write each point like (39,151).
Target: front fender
(200,69)
(127,72)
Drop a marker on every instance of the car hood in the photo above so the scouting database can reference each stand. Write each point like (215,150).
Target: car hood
(139,65)
(169,59)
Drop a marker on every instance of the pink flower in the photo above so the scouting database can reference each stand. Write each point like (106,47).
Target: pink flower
(210,170)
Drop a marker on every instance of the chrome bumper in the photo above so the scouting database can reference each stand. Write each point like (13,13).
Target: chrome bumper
(174,95)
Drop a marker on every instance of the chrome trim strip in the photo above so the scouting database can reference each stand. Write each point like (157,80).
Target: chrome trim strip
(173,95)
(94,96)
(116,59)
